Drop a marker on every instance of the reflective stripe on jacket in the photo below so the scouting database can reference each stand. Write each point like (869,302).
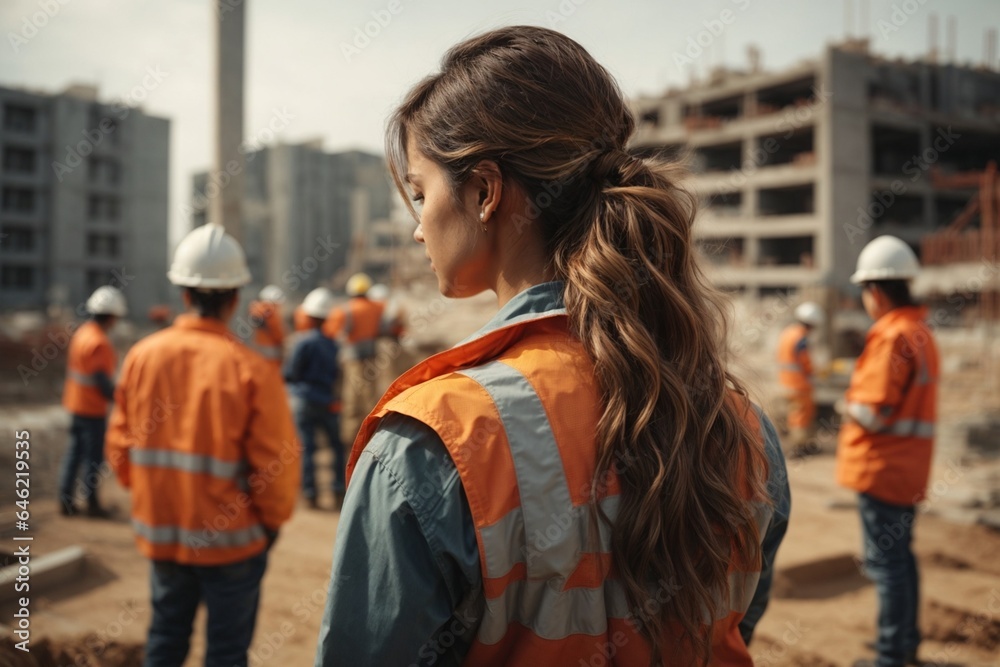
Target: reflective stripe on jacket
(358,324)
(794,364)
(203,437)
(90,353)
(268,334)
(885,448)
(517,409)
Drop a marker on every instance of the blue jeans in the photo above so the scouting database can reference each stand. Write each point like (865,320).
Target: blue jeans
(86,450)
(230,592)
(890,564)
(310,415)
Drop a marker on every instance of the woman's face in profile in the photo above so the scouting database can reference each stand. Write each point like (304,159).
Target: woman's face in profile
(454,241)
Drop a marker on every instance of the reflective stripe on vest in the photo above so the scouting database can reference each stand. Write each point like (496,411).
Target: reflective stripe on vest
(272,352)
(82,379)
(363,349)
(556,532)
(913,428)
(206,538)
(200,464)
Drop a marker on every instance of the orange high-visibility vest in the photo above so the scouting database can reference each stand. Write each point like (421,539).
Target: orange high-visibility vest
(360,321)
(90,352)
(517,409)
(203,437)
(794,364)
(893,392)
(268,334)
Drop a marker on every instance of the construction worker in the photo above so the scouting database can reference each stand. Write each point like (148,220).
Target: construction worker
(87,393)
(265,318)
(311,371)
(202,436)
(795,375)
(392,314)
(541,490)
(301,321)
(358,324)
(886,441)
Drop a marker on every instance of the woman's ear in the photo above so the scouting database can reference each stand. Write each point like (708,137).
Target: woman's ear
(489,183)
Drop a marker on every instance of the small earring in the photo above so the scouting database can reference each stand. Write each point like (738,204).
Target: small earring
(482,219)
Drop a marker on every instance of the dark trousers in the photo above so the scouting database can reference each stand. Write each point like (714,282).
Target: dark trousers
(890,564)
(310,415)
(84,454)
(231,594)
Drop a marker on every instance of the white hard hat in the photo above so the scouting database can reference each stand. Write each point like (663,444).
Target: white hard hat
(809,313)
(318,303)
(209,258)
(272,293)
(886,258)
(378,292)
(107,300)
(358,284)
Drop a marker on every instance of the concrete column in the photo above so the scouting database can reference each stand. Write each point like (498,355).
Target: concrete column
(226,209)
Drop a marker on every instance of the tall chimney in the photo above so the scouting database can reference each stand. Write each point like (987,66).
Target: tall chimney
(991,49)
(951,40)
(933,33)
(226,208)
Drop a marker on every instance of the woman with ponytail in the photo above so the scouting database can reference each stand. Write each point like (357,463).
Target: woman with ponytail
(582,481)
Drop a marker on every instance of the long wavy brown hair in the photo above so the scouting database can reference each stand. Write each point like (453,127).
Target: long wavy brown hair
(618,230)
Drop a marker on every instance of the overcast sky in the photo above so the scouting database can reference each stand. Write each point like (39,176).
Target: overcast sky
(303,59)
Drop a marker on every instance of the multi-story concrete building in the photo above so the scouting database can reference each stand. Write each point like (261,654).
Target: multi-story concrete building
(304,212)
(799,169)
(83,200)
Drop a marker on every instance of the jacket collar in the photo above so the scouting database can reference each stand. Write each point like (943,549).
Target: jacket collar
(536,302)
(194,322)
(906,313)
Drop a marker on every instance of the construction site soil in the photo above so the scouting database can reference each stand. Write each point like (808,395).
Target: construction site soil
(822,612)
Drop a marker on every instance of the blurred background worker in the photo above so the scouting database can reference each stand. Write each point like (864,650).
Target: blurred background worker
(265,317)
(795,375)
(311,372)
(202,435)
(87,393)
(357,324)
(886,443)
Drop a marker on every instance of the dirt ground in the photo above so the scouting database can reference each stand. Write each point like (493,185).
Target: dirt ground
(822,612)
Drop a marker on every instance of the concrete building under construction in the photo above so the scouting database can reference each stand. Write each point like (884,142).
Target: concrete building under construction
(799,169)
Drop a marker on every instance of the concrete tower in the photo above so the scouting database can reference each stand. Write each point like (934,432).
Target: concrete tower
(226,209)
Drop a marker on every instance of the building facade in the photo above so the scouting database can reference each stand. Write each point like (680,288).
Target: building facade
(307,213)
(799,169)
(83,200)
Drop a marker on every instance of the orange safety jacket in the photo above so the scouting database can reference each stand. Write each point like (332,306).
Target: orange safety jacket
(794,364)
(202,435)
(360,322)
(886,445)
(517,409)
(90,353)
(268,334)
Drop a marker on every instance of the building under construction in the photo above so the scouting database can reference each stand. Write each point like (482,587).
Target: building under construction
(799,169)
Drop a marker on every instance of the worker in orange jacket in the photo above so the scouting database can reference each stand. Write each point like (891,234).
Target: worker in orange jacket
(202,436)
(265,318)
(581,481)
(357,326)
(886,442)
(88,392)
(795,375)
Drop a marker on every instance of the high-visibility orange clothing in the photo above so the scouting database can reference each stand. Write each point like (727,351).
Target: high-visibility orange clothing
(203,437)
(886,445)
(517,409)
(90,353)
(268,334)
(360,322)
(301,321)
(795,375)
